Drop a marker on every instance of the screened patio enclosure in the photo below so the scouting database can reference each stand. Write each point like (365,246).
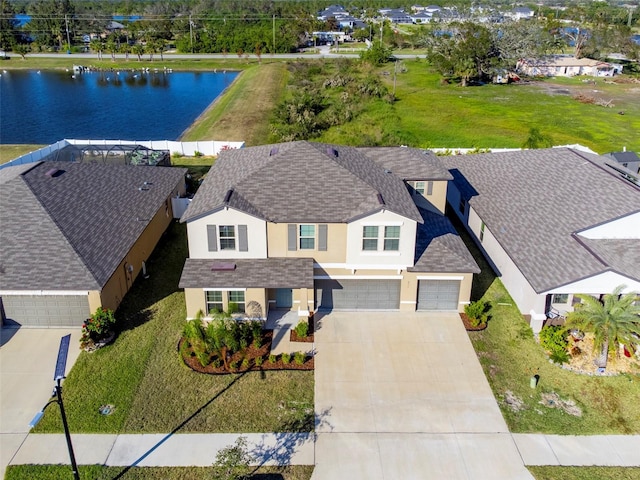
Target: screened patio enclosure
(111,154)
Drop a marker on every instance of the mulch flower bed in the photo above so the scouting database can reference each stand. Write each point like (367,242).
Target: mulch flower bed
(250,353)
(293,337)
(469,326)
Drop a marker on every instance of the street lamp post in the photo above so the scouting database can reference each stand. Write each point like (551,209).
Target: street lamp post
(58,376)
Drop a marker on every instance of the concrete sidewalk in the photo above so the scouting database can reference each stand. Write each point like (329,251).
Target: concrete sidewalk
(164,450)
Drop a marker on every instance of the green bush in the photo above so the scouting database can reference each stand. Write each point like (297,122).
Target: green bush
(477,312)
(245,363)
(302,329)
(299,357)
(256,333)
(258,361)
(554,340)
(272,358)
(286,358)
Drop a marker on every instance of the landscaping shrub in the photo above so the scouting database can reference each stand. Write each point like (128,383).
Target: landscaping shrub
(256,333)
(302,329)
(232,463)
(272,358)
(245,362)
(477,312)
(258,361)
(554,340)
(97,327)
(299,357)
(286,358)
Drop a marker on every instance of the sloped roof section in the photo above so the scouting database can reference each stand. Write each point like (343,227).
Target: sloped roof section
(532,201)
(408,163)
(301,182)
(82,218)
(439,248)
(622,255)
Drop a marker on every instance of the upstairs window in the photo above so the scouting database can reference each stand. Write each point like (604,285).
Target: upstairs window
(419,187)
(392,238)
(307,237)
(227,237)
(370,238)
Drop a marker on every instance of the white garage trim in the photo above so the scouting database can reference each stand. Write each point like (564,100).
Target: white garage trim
(438,277)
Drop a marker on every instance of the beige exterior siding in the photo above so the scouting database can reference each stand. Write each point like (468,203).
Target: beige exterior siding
(277,243)
(121,281)
(435,202)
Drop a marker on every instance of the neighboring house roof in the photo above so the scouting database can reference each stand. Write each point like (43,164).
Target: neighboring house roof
(408,163)
(623,157)
(564,61)
(533,201)
(439,248)
(301,182)
(69,230)
(248,273)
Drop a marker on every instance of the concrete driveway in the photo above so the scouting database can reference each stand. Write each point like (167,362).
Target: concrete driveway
(402,395)
(27,363)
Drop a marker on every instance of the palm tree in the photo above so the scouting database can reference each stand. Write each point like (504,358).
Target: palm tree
(613,320)
(97,46)
(138,49)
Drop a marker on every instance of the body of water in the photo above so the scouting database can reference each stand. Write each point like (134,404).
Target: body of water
(43,107)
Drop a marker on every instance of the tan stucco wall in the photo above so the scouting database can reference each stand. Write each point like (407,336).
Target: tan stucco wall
(195,300)
(277,243)
(436,201)
(95,300)
(121,281)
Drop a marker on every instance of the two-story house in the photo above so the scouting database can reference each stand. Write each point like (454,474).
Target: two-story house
(307,226)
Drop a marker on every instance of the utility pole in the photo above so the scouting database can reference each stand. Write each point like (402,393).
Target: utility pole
(274,33)
(191,32)
(66,24)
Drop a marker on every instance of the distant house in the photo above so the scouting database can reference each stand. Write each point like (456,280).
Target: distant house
(628,160)
(75,236)
(520,13)
(395,15)
(553,222)
(566,66)
(421,17)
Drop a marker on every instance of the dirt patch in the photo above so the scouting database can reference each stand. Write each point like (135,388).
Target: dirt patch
(583,356)
(553,400)
(513,402)
(250,354)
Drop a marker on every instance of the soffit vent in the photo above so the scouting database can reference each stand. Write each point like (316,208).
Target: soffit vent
(223,267)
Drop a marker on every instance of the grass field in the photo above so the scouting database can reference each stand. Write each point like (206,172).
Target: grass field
(99,472)
(430,114)
(9,152)
(510,356)
(585,473)
(243,112)
(141,373)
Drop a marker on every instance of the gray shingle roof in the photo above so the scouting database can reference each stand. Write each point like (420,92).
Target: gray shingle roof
(249,273)
(70,231)
(408,163)
(621,254)
(439,248)
(301,182)
(533,200)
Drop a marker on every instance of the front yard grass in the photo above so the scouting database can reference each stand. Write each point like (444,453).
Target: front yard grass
(509,356)
(99,472)
(585,473)
(141,373)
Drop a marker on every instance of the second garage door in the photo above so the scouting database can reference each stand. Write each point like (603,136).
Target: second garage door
(358,294)
(46,310)
(438,294)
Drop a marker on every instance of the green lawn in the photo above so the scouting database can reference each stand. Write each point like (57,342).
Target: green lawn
(585,473)
(9,152)
(153,391)
(510,356)
(430,114)
(98,472)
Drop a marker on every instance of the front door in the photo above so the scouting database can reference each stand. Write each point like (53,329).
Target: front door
(284,298)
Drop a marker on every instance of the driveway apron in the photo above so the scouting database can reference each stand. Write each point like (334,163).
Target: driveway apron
(402,395)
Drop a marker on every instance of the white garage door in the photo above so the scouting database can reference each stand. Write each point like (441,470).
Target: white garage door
(45,310)
(438,294)
(358,294)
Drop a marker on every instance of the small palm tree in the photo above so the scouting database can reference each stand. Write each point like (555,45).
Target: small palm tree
(97,46)
(613,320)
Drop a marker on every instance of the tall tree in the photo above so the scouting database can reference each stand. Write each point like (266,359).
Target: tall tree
(50,21)
(613,320)
(8,26)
